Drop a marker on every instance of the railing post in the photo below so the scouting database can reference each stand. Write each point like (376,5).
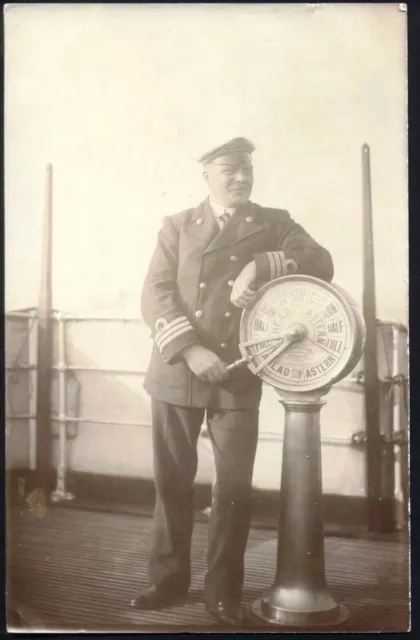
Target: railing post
(60,492)
(33,381)
(400,457)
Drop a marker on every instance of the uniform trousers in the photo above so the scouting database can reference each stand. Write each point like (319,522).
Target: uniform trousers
(233,435)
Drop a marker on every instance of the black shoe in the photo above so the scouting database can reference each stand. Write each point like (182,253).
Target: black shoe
(226,614)
(157,598)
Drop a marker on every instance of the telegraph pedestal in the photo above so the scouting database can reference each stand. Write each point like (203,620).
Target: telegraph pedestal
(299,596)
(301,336)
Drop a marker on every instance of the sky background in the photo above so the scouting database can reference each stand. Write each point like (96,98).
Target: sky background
(122,99)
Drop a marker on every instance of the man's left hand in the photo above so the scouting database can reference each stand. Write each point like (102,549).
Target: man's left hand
(243,291)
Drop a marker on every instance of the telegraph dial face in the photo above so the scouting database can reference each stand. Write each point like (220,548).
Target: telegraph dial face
(301,334)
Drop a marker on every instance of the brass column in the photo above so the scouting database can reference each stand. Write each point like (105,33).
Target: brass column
(299,596)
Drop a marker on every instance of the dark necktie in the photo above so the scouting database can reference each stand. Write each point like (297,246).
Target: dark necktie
(224,219)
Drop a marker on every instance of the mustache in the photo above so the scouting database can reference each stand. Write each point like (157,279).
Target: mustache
(240,187)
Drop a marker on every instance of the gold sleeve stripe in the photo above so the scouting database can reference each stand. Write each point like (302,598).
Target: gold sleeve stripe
(178,332)
(280,265)
(171,328)
(275,262)
(270,263)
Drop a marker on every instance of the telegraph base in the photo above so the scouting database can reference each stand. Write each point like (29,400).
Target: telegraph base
(262,609)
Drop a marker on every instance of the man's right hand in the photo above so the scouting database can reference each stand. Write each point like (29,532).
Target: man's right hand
(205,364)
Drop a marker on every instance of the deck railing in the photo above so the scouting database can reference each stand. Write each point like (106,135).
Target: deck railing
(64,368)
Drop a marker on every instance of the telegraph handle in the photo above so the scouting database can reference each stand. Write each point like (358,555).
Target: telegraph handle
(237,363)
(294,334)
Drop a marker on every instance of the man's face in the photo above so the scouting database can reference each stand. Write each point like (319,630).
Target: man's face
(230,179)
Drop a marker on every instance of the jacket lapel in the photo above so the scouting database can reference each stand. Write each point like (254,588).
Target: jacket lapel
(203,227)
(243,224)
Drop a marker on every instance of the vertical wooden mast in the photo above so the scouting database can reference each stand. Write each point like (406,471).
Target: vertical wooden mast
(371,384)
(43,439)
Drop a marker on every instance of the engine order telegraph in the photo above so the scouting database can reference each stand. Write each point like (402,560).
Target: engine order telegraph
(301,336)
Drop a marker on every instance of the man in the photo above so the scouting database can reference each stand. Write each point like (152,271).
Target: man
(207,266)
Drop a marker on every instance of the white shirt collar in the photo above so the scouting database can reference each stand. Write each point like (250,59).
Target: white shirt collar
(219,209)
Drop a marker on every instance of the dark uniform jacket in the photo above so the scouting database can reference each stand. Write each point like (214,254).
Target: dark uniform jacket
(186,295)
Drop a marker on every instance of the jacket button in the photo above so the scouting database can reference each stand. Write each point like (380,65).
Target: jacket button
(228,314)
(231,283)
(198,314)
(199,221)
(223,345)
(249,219)
(234,258)
(202,285)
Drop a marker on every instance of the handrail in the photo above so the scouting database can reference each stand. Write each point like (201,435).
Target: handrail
(264,435)
(352,386)
(110,317)
(73,317)
(69,367)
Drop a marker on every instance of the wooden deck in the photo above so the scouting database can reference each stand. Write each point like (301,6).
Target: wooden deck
(77,570)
